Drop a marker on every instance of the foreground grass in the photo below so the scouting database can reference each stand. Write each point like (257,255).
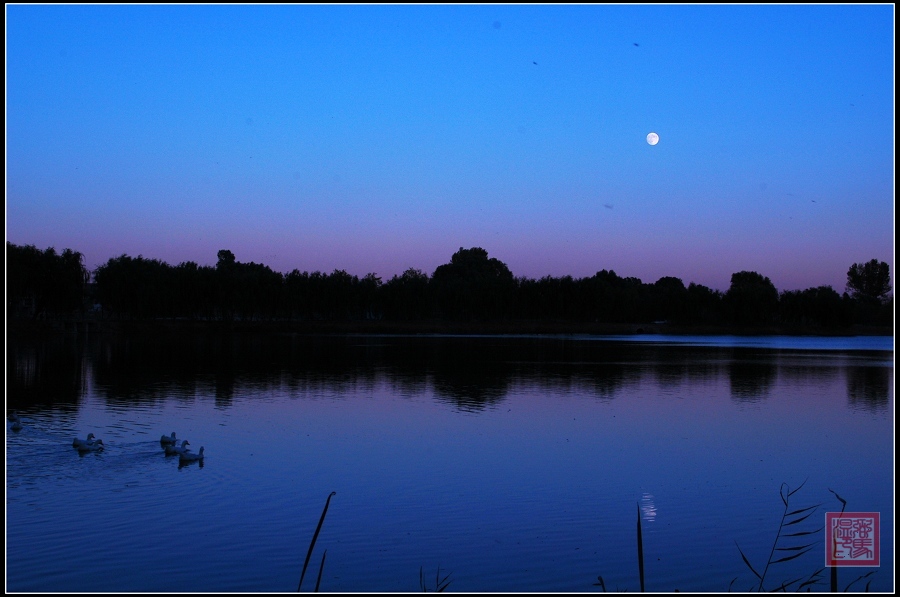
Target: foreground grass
(789,544)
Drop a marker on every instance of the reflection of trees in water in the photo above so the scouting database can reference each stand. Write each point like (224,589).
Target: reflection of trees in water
(45,372)
(670,374)
(469,373)
(471,388)
(703,371)
(605,381)
(133,368)
(808,374)
(224,388)
(470,379)
(750,377)
(406,366)
(407,382)
(474,373)
(313,384)
(670,367)
(869,388)
(129,367)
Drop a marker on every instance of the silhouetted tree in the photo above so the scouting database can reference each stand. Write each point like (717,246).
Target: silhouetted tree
(42,282)
(194,290)
(136,287)
(257,290)
(820,307)
(318,296)
(369,296)
(72,278)
(704,305)
(407,296)
(613,299)
(338,297)
(535,299)
(669,299)
(869,291)
(869,281)
(632,299)
(603,296)
(226,259)
(751,299)
(473,286)
(553,298)
(226,284)
(296,290)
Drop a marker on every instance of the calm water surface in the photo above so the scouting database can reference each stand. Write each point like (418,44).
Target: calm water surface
(512,463)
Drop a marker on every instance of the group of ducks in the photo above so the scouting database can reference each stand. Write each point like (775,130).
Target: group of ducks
(168,442)
(171,447)
(92,444)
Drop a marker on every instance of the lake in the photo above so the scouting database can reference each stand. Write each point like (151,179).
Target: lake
(509,463)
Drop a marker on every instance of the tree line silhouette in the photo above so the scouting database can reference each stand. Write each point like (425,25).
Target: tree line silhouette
(472,287)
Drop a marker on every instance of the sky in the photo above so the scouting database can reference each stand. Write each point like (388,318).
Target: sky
(378,138)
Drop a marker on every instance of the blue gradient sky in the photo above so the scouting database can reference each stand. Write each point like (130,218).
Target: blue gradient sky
(379,138)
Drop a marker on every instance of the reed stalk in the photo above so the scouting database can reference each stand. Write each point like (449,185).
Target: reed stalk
(640,544)
(312,543)
(440,584)
(834,582)
(321,567)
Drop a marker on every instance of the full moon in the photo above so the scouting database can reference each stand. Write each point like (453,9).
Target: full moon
(652,138)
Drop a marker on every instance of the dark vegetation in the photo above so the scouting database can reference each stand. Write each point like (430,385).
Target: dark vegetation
(471,292)
(790,543)
(785,548)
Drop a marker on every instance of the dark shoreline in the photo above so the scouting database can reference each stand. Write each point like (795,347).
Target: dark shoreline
(101,326)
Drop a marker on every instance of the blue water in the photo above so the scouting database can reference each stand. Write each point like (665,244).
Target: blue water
(514,464)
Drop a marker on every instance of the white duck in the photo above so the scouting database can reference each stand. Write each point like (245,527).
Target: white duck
(83,442)
(172,449)
(16,423)
(94,446)
(191,456)
(168,440)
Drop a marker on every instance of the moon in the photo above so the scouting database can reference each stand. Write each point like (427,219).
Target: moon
(652,138)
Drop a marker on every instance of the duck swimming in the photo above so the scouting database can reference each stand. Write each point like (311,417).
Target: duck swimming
(168,440)
(190,456)
(82,442)
(173,449)
(94,446)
